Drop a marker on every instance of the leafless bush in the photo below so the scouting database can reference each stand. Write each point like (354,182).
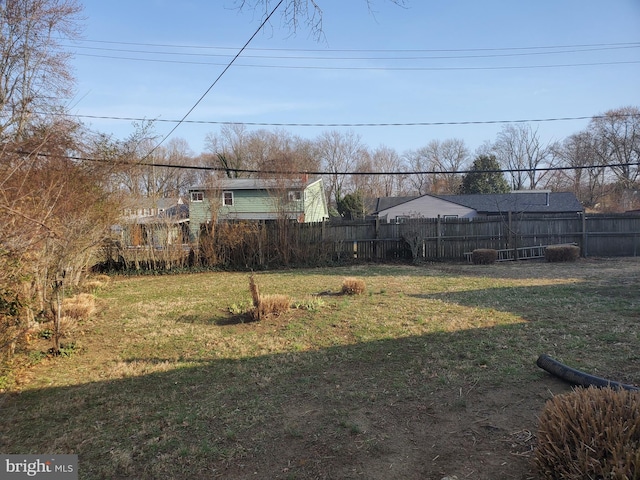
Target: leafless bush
(79,307)
(590,433)
(275,304)
(484,256)
(94,283)
(265,305)
(353,286)
(562,253)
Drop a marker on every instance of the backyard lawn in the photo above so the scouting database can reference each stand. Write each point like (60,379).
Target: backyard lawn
(429,373)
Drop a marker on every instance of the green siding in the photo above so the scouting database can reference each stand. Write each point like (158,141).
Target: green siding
(199,213)
(259,204)
(315,203)
(249,201)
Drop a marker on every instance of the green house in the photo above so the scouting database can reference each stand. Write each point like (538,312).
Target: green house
(250,199)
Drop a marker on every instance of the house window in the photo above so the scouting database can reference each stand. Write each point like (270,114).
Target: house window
(294,195)
(402,219)
(197,196)
(450,217)
(227,199)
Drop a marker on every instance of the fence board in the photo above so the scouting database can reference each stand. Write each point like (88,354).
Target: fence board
(597,235)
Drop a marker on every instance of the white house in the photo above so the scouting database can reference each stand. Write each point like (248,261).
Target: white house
(399,209)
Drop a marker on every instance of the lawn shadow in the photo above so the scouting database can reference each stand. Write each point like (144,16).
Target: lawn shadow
(340,409)
(231,319)
(235,320)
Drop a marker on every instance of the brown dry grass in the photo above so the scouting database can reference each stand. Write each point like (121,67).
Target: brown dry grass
(590,433)
(274,304)
(265,305)
(353,286)
(79,307)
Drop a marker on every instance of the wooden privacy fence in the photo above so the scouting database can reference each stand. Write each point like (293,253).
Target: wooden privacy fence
(450,239)
(266,244)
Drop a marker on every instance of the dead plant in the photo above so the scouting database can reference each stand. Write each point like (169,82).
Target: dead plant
(79,307)
(265,305)
(353,286)
(590,433)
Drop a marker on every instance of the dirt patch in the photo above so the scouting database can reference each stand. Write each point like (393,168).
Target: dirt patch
(479,434)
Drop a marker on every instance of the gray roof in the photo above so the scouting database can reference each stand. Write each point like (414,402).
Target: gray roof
(520,202)
(382,203)
(256,183)
(152,202)
(497,203)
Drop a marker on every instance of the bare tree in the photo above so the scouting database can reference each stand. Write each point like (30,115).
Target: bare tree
(518,147)
(55,209)
(34,69)
(298,13)
(339,154)
(235,148)
(587,180)
(388,167)
(420,161)
(617,143)
(387,162)
(229,149)
(448,157)
(279,151)
(56,213)
(171,181)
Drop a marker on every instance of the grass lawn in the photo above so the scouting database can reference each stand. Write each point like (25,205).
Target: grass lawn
(430,372)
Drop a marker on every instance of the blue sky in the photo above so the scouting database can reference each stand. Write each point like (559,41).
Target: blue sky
(434,61)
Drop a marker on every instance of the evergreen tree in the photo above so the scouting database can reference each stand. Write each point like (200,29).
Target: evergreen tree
(351,206)
(484,177)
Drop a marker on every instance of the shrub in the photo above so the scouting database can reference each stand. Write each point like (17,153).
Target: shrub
(275,304)
(590,433)
(562,253)
(92,284)
(353,286)
(484,256)
(79,307)
(264,305)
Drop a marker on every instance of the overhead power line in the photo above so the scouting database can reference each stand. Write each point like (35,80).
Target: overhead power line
(413,53)
(356,124)
(316,67)
(432,50)
(218,78)
(338,55)
(320,172)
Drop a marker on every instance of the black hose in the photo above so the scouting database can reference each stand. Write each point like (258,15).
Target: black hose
(577,377)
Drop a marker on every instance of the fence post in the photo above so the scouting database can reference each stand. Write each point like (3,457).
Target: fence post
(583,250)
(513,237)
(376,237)
(438,236)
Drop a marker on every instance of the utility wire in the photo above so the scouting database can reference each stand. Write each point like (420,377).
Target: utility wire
(315,57)
(386,124)
(540,47)
(217,79)
(341,173)
(313,67)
